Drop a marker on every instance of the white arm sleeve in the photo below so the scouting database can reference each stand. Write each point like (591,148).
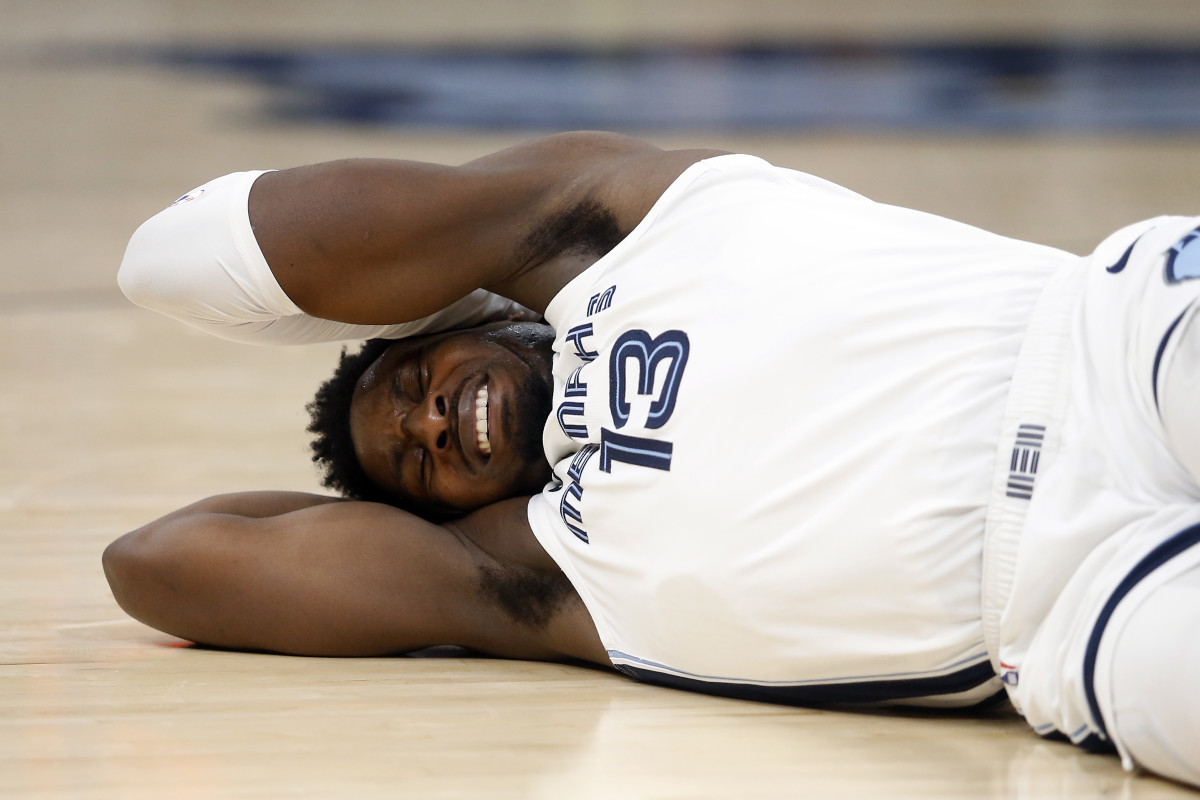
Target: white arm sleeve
(198,261)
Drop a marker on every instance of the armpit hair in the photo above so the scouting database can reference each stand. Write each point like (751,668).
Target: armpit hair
(529,597)
(587,227)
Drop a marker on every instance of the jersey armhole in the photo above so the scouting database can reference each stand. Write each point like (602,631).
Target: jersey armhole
(543,523)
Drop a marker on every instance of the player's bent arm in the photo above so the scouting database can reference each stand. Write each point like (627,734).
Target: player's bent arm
(310,575)
(198,262)
(361,249)
(378,241)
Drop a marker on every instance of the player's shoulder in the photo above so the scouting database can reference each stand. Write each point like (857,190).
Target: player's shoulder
(502,532)
(625,173)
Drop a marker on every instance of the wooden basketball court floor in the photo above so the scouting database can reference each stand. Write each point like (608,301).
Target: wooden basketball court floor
(110,416)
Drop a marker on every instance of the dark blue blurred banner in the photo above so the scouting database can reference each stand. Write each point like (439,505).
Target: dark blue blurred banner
(1037,88)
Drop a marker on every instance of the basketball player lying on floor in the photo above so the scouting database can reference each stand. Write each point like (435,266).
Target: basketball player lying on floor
(777,442)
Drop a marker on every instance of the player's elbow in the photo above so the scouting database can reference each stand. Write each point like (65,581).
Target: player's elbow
(120,567)
(133,573)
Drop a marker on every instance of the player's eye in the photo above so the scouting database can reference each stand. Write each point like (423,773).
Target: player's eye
(412,384)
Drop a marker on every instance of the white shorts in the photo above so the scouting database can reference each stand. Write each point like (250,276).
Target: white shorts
(1089,503)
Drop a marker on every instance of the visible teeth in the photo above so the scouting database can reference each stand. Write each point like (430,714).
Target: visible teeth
(481,420)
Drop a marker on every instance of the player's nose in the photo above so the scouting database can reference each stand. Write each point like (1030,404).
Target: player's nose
(428,423)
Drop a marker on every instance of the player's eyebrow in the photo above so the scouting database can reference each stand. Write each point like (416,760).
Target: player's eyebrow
(410,364)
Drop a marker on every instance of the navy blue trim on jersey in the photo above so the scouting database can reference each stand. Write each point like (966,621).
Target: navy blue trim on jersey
(875,691)
(1094,743)
(1162,346)
(996,700)
(1124,259)
(1157,557)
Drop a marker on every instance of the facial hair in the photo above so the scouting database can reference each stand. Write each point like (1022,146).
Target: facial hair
(526,420)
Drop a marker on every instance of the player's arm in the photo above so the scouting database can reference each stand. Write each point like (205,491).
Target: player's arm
(371,241)
(303,574)
(383,248)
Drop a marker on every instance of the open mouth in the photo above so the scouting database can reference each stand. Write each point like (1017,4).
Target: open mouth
(481,421)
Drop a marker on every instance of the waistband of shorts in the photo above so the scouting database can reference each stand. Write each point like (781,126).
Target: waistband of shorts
(1030,437)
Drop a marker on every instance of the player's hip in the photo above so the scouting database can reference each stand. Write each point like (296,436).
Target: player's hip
(1084,486)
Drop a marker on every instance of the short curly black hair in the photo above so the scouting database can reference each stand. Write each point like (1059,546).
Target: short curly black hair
(329,413)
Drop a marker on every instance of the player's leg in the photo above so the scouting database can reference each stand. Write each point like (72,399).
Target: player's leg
(1179,396)
(1149,692)
(1141,342)
(1148,667)
(1156,658)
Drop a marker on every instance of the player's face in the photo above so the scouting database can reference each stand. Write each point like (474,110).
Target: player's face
(452,422)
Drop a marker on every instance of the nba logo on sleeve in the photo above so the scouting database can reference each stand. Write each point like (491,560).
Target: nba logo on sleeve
(194,194)
(1183,259)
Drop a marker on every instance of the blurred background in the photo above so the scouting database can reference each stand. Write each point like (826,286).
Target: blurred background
(1056,121)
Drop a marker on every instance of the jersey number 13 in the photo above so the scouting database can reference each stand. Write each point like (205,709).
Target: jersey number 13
(635,353)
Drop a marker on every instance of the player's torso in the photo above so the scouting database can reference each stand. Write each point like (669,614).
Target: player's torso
(775,419)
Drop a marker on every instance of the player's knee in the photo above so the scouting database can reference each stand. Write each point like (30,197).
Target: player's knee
(1179,398)
(1153,707)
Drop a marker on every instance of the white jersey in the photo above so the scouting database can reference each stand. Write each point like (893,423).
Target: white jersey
(776,416)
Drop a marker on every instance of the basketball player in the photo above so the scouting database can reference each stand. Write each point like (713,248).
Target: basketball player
(797,446)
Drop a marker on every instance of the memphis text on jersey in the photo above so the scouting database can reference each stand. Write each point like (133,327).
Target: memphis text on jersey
(640,364)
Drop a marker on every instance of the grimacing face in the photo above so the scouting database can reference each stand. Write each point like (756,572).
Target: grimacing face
(452,422)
